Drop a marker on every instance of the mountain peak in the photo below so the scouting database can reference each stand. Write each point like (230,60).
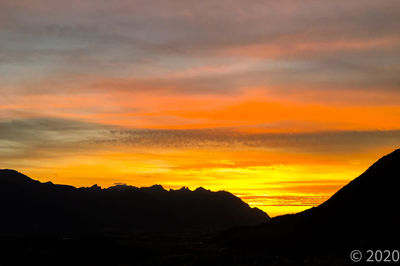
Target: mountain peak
(155,187)
(10,176)
(6,172)
(201,189)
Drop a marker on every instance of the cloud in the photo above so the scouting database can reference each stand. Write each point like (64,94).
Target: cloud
(58,137)
(285,200)
(46,137)
(320,142)
(322,44)
(244,66)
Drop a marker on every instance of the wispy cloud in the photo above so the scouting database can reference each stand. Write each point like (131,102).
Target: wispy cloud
(341,42)
(30,137)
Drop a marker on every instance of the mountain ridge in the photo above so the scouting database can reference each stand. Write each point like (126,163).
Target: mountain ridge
(55,208)
(15,177)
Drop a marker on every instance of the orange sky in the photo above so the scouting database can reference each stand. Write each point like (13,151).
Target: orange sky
(278,102)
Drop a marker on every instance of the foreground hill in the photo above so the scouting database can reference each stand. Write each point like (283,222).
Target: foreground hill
(365,214)
(29,207)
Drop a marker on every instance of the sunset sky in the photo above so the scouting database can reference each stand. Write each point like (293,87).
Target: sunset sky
(279,102)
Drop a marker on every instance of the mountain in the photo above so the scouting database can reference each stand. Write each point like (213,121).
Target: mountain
(35,208)
(364,214)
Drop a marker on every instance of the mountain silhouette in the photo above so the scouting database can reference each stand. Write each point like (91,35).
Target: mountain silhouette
(364,214)
(32,207)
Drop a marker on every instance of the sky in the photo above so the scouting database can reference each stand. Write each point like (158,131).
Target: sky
(279,102)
